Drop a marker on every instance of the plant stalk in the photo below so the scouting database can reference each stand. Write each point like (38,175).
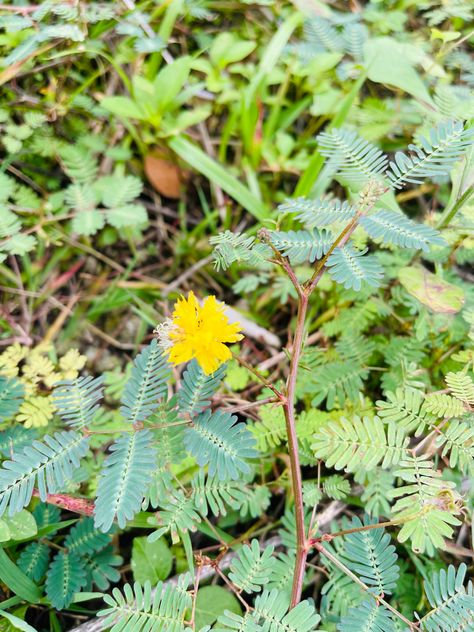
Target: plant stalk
(289,410)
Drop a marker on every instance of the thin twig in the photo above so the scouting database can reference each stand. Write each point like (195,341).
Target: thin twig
(259,376)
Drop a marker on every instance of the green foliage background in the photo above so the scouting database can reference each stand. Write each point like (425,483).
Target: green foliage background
(153,148)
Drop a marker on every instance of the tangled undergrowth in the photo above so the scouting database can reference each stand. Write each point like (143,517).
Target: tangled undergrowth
(236,375)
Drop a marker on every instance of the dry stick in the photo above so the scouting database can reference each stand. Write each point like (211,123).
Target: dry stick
(186,275)
(359,582)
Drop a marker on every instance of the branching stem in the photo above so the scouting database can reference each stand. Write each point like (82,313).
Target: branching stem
(359,582)
(367,527)
(260,377)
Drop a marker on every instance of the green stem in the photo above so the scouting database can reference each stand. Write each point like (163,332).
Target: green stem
(450,214)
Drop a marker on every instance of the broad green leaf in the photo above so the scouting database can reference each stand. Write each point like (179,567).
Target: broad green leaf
(123,106)
(175,124)
(151,561)
(228,48)
(211,602)
(387,62)
(21,525)
(170,81)
(438,295)
(4,531)
(219,175)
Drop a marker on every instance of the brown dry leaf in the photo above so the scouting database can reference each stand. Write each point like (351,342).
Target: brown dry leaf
(164,175)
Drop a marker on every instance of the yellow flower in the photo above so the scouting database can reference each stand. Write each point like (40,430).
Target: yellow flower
(200,332)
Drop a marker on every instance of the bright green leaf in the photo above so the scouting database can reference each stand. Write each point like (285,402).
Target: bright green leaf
(211,602)
(151,561)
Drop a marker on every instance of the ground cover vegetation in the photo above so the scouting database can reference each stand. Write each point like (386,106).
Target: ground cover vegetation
(237,316)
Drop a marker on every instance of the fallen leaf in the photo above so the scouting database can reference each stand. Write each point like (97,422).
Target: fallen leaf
(438,295)
(164,175)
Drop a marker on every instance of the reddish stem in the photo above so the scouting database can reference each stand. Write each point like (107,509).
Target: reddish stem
(289,410)
(77,505)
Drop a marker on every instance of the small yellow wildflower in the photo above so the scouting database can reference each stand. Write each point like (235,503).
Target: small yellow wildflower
(200,332)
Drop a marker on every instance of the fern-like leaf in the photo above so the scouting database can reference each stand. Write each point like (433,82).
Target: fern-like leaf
(375,497)
(76,400)
(125,478)
(352,267)
(406,408)
(197,388)
(435,157)
(78,164)
(143,609)
(231,247)
(271,614)
(357,160)
(368,617)
(461,386)
(352,444)
(251,569)
(177,515)
(118,191)
(320,30)
(336,382)
(101,568)
(370,555)
(256,502)
(34,560)
(216,440)
(212,494)
(302,245)
(355,347)
(336,487)
(147,383)
(444,406)
(65,577)
(320,212)
(355,35)
(11,397)
(84,538)
(458,441)
(270,431)
(281,578)
(48,464)
(422,503)
(395,228)
(452,603)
